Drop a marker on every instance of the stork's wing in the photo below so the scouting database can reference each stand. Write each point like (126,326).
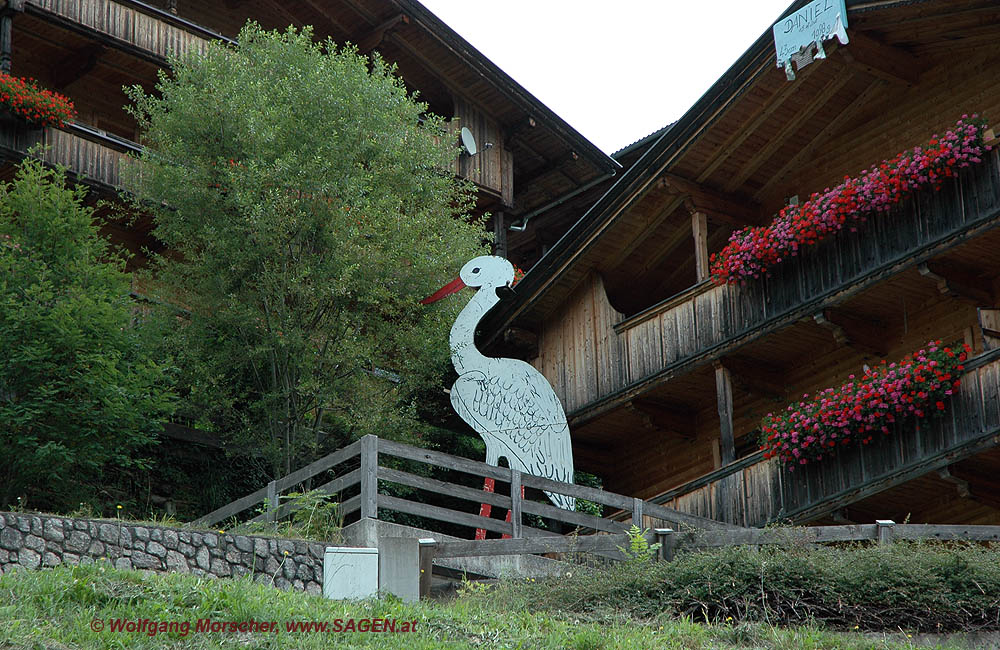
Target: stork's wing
(516,405)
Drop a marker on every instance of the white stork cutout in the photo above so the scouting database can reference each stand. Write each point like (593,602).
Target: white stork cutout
(507,401)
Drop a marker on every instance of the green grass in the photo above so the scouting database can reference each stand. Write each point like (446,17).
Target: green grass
(54,609)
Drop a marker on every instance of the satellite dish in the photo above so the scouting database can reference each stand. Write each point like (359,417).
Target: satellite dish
(469,141)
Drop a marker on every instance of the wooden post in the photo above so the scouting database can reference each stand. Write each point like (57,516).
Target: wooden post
(884,530)
(515,504)
(724,393)
(665,537)
(699,228)
(369,477)
(428,547)
(637,511)
(272,499)
(500,235)
(6,39)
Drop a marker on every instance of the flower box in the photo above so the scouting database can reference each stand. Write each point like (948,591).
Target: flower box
(751,252)
(863,407)
(24,101)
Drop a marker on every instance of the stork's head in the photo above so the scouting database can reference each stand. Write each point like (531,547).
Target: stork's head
(487,271)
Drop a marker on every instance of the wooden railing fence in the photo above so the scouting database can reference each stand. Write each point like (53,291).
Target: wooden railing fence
(671,541)
(362,464)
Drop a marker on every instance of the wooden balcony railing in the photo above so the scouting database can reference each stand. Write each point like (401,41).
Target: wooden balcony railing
(753,492)
(141,29)
(90,155)
(707,321)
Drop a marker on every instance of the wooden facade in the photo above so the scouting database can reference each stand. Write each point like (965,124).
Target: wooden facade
(89,49)
(666,376)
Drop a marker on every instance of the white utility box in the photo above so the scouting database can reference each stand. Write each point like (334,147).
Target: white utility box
(350,573)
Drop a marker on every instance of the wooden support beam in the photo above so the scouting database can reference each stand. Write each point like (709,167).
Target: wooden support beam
(374,38)
(699,230)
(724,395)
(961,485)
(958,283)
(757,377)
(808,152)
(864,335)
(989,324)
(788,129)
(500,234)
(661,416)
(727,208)
(892,64)
(647,231)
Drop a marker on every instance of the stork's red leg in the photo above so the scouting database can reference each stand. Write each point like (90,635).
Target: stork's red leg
(484,508)
(505,535)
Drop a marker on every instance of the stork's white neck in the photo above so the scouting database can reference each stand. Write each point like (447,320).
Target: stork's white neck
(464,355)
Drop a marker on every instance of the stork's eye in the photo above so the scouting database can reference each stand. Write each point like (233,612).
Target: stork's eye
(475,270)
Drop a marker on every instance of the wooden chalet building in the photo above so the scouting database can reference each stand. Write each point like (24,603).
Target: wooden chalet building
(534,172)
(666,375)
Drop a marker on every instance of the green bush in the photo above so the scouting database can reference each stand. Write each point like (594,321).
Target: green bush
(79,393)
(923,586)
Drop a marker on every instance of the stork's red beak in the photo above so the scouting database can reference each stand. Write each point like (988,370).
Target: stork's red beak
(454,286)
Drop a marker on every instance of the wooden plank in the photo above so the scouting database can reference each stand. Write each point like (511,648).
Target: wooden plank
(699,230)
(947,532)
(334,487)
(724,397)
(349,506)
(603,497)
(534,545)
(516,501)
(232,509)
(443,514)
(316,467)
(369,477)
(447,461)
(571,517)
(684,519)
(442,487)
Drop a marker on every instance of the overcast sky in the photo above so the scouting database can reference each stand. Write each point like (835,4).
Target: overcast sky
(615,74)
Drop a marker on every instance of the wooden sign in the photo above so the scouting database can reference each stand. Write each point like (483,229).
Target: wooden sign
(800,36)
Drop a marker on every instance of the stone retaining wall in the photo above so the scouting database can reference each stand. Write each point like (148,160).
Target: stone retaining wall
(32,541)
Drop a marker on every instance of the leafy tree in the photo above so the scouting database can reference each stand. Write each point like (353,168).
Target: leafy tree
(303,197)
(77,390)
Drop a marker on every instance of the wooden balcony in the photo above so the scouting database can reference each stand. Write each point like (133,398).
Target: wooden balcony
(754,491)
(89,155)
(145,31)
(706,322)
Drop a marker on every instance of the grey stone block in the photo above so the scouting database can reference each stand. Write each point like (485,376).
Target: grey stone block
(157,549)
(210,540)
(285,547)
(282,584)
(123,563)
(176,562)
(142,560)
(317,551)
(156,535)
(34,522)
(109,533)
(298,585)
(96,549)
(216,552)
(196,539)
(10,539)
(185,538)
(186,549)
(220,568)
(240,571)
(80,525)
(233,556)
(139,545)
(304,573)
(242,543)
(289,568)
(141,533)
(272,565)
(53,530)
(29,559)
(51,559)
(202,557)
(34,543)
(260,547)
(170,539)
(78,541)
(85,560)
(301,548)
(314,588)
(71,559)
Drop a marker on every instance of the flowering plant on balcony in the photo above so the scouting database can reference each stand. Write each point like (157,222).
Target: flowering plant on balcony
(37,106)
(752,251)
(864,407)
